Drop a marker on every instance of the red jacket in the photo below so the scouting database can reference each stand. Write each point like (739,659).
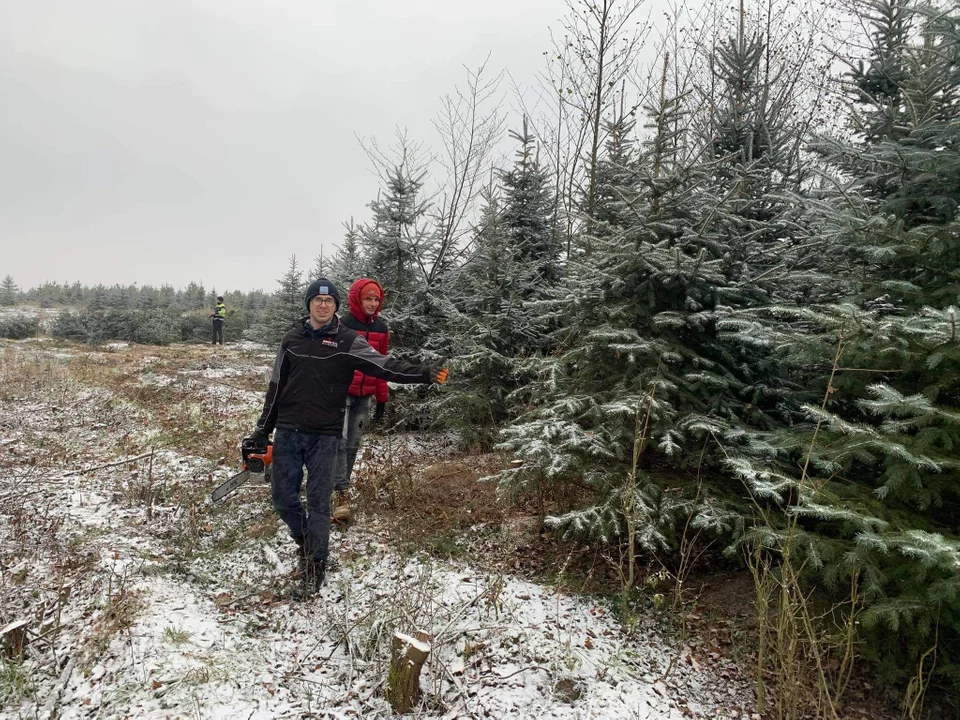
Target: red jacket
(376,333)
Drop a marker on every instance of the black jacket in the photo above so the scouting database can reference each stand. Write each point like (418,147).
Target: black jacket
(312,374)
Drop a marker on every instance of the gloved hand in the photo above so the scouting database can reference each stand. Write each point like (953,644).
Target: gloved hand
(259,437)
(378,413)
(438,375)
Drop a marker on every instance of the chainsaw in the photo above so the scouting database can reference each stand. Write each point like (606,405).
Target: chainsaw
(257,457)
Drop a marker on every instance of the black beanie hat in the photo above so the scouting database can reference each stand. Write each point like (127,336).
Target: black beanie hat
(322,286)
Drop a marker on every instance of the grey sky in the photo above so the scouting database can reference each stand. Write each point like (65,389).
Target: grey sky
(163,142)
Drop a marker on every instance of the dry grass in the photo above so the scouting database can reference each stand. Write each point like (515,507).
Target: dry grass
(443,509)
(192,412)
(25,372)
(440,500)
(65,408)
(119,613)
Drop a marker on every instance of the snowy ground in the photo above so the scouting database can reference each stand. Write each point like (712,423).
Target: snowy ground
(124,594)
(45,316)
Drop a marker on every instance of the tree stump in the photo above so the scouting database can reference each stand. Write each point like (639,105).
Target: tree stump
(14,638)
(407,658)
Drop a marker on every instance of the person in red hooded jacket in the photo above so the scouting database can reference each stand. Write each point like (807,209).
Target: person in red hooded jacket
(365,301)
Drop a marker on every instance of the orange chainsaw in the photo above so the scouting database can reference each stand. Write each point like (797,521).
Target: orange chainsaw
(257,457)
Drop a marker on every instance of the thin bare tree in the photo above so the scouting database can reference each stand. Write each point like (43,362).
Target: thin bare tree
(593,70)
(470,125)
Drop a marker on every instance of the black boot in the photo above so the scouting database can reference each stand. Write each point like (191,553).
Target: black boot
(301,558)
(312,579)
(316,574)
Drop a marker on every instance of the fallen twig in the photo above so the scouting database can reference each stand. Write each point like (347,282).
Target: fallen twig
(84,471)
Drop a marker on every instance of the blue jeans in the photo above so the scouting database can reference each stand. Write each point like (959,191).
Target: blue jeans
(354,423)
(292,451)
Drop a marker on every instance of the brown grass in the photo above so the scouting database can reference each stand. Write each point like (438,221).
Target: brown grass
(445,510)
(430,507)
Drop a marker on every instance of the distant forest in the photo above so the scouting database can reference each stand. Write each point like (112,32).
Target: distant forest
(133,313)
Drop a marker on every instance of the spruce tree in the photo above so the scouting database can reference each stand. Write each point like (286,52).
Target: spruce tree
(97,299)
(617,168)
(533,249)
(395,245)
(166,296)
(8,291)
(905,113)
(285,307)
(347,264)
(496,295)
(484,294)
(397,235)
(479,291)
(321,268)
(878,496)
(706,224)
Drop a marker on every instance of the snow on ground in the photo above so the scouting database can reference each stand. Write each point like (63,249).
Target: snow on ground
(44,316)
(215,373)
(144,601)
(156,379)
(191,650)
(254,346)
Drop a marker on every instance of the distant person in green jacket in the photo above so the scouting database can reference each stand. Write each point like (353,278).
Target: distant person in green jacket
(219,314)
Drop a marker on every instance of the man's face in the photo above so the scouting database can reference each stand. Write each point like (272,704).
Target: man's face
(322,308)
(370,305)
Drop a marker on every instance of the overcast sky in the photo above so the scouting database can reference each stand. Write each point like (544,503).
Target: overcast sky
(169,141)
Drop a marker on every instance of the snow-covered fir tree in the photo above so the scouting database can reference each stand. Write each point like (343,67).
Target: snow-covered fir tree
(8,291)
(397,234)
(394,245)
(284,308)
(877,494)
(321,267)
(347,263)
(533,249)
(483,293)
(478,291)
(701,224)
(495,315)
(617,168)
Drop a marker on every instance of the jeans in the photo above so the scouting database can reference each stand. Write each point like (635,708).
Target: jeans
(292,451)
(354,423)
(217,331)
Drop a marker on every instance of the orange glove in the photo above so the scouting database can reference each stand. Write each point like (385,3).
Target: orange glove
(438,375)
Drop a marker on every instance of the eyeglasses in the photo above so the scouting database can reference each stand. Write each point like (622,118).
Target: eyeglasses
(323,300)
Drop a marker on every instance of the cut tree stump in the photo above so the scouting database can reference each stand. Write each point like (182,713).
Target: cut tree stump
(14,637)
(403,682)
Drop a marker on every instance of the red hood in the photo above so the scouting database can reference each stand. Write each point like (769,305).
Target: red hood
(353,300)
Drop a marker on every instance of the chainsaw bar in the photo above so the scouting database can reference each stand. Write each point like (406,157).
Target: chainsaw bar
(230,485)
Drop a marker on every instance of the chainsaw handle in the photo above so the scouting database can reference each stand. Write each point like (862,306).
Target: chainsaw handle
(256,455)
(267,457)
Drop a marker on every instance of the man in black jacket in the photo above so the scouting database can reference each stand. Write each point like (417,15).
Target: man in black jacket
(305,403)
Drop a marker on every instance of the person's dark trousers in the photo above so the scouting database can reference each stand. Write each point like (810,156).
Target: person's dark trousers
(218,331)
(292,451)
(354,423)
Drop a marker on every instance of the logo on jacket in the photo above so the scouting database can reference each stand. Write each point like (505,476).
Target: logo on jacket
(331,343)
